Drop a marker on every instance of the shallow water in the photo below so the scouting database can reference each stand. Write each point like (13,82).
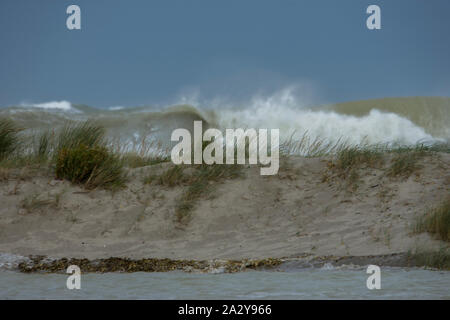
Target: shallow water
(396,283)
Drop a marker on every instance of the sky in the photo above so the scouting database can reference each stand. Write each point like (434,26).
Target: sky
(133,53)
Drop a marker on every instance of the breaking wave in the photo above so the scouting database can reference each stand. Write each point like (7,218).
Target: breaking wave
(390,120)
(55,105)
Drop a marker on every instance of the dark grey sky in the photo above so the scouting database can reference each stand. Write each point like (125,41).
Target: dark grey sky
(149,52)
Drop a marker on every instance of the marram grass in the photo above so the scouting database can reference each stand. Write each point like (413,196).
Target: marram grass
(20,148)
(198,183)
(8,137)
(436,221)
(437,259)
(82,157)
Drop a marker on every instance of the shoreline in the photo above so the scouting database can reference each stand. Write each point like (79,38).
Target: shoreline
(42,264)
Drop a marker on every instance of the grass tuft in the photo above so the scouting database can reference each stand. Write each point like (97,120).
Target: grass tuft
(357,156)
(201,184)
(86,133)
(436,221)
(82,157)
(349,159)
(405,161)
(77,164)
(172,177)
(8,137)
(108,175)
(310,147)
(44,145)
(438,259)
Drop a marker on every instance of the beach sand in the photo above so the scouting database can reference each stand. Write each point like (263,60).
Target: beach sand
(295,213)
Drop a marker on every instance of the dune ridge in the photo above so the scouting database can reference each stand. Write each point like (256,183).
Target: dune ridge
(300,211)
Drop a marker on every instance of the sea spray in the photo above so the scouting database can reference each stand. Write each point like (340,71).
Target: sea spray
(392,123)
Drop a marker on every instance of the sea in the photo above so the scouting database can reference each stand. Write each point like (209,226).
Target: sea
(310,283)
(402,121)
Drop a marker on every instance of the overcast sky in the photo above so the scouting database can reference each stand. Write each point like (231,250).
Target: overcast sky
(132,53)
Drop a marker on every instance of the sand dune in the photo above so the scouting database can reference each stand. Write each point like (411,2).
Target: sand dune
(295,213)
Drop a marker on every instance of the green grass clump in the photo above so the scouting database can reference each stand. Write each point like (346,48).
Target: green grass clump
(86,133)
(83,158)
(436,221)
(405,160)
(349,159)
(30,150)
(403,165)
(8,137)
(77,164)
(44,145)
(109,174)
(172,177)
(438,259)
(356,156)
(91,166)
(199,183)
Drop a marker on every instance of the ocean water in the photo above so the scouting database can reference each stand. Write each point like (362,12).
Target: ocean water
(403,121)
(396,283)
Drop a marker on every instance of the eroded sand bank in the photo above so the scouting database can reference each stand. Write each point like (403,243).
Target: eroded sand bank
(295,213)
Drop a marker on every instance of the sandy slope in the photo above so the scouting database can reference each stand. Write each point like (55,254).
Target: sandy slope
(286,215)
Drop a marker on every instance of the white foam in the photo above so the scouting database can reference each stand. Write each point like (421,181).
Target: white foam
(327,266)
(115,108)
(11,261)
(59,105)
(286,112)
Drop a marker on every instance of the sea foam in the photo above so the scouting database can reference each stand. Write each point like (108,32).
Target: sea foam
(60,105)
